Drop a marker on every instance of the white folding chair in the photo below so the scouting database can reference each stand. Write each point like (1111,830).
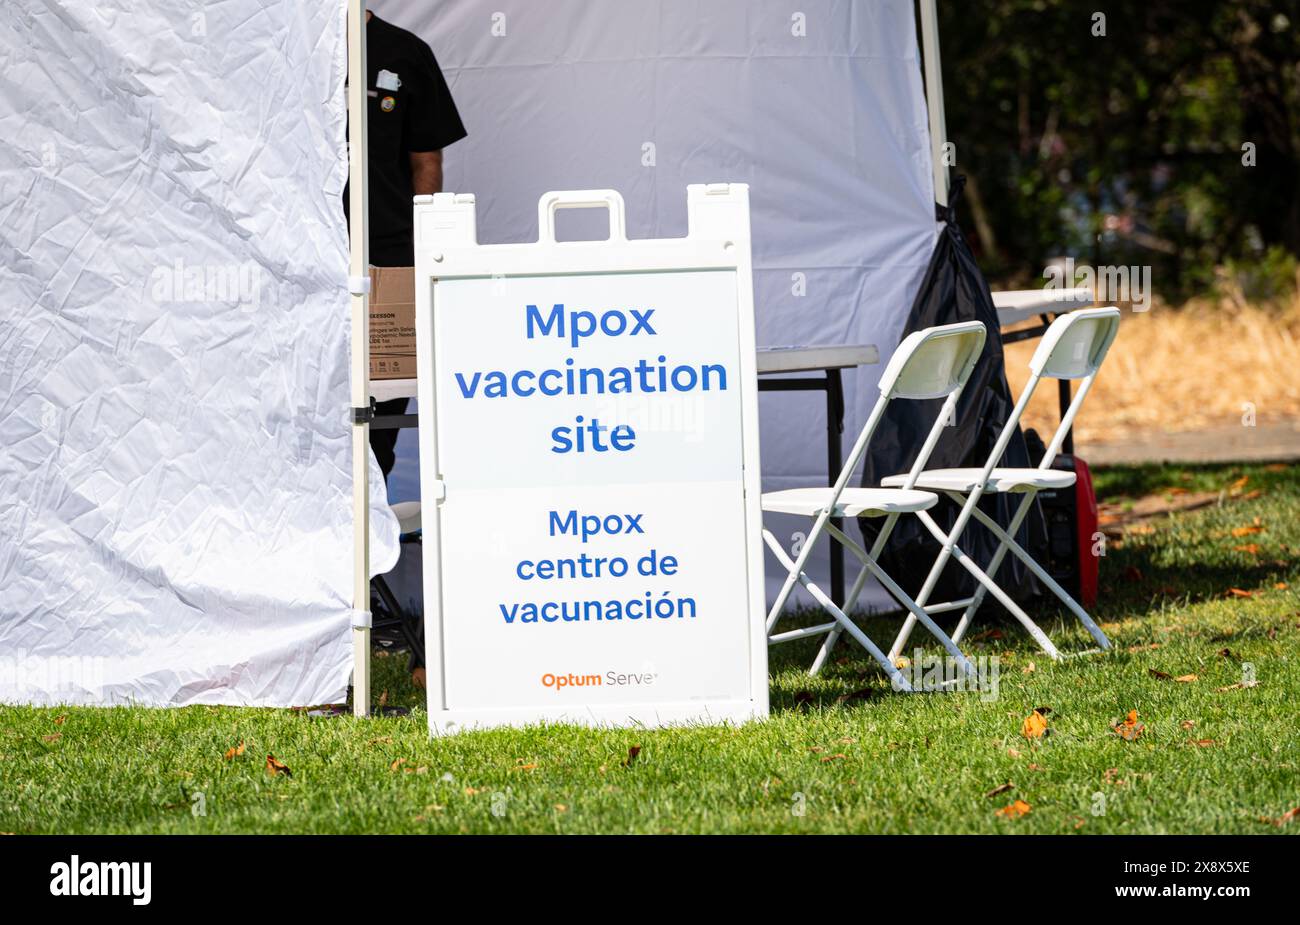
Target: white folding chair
(934,363)
(1072,348)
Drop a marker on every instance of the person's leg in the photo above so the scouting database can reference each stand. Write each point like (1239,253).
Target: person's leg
(383,442)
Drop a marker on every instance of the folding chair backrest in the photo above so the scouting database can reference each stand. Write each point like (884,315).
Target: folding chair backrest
(933,363)
(1072,348)
(1076,343)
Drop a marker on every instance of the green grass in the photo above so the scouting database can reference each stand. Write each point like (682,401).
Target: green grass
(855,756)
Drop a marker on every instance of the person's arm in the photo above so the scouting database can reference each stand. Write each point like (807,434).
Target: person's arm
(426,172)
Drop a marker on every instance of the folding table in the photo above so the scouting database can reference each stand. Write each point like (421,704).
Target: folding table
(785,369)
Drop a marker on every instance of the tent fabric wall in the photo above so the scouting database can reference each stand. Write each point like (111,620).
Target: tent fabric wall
(175,479)
(822,111)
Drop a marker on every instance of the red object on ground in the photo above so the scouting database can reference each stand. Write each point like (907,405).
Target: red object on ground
(1085,505)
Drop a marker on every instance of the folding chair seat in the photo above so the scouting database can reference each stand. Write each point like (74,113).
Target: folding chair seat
(934,363)
(1073,347)
(1009,481)
(853,502)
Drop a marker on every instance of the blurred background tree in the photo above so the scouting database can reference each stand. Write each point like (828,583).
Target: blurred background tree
(1164,132)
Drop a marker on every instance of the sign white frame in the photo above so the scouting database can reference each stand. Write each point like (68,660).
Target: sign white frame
(447,248)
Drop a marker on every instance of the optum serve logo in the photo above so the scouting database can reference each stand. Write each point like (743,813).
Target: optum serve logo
(76,877)
(611,678)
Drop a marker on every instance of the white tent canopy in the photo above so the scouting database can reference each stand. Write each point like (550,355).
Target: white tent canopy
(821,111)
(176,478)
(175,473)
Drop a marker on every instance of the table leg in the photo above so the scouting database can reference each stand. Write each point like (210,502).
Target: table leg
(834,463)
(1063,397)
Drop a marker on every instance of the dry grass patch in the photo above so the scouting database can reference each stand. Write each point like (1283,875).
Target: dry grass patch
(1181,370)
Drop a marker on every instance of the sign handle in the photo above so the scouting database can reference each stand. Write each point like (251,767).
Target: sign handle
(552,202)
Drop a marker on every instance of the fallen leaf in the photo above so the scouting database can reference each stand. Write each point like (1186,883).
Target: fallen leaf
(397,763)
(836,757)
(1202,743)
(1251,548)
(1186,678)
(531,766)
(1029,669)
(1284,818)
(1238,485)
(235,752)
(275,766)
(631,755)
(383,700)
(60,720)
(1001,788)
(1012,753)
(1035,724)
(561,808)
(1280,586)
(1159,675)
(1014,810)
(1238,592)
(1247,530)
(1130,729)
(53,737)
(1188,723)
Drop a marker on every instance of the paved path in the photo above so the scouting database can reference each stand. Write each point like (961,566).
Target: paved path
(1264,443)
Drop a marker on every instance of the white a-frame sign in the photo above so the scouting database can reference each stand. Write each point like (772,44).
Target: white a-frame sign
(589,469)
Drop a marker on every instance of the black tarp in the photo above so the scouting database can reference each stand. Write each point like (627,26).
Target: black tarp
(953,290)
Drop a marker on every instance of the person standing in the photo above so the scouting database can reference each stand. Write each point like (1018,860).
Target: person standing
(411,119)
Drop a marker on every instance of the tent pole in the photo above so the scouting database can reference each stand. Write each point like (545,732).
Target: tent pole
(934,98)
(358,267)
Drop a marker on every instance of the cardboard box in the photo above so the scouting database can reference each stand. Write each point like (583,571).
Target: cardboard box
(392,322)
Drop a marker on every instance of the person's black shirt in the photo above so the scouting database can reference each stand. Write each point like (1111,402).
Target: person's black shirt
(410,109)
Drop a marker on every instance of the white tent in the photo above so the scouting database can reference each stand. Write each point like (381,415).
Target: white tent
(176,481)
(820,107)
(175,470)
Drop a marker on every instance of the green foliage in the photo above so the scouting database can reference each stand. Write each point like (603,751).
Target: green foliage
(1270,280)
(1127,147)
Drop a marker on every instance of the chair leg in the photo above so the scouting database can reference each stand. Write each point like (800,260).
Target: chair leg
(833,636)
(829,642)
(992,569)
(916,610)
(965,561)
(896,677)
(1018,551)
(796,567)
